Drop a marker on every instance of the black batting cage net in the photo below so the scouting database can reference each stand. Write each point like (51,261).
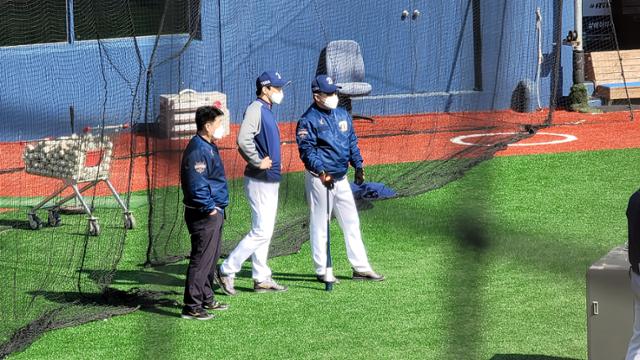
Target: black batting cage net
(98,98)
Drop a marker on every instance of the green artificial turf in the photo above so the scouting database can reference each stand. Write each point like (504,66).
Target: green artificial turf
(488,267)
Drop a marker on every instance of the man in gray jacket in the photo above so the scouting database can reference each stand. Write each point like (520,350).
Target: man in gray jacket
(259,144)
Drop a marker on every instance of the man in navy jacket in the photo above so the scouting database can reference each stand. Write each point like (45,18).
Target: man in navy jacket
(259,144)
(204,187)
(328,144)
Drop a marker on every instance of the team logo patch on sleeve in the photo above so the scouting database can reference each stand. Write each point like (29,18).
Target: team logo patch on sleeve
(343,126)
(303,133)
(200,167)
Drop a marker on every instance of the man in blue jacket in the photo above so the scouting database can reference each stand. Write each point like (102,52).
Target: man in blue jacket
(204,187)
(328,144)
(259,144)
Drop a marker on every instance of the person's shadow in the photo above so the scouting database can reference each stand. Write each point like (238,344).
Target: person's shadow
(172,275)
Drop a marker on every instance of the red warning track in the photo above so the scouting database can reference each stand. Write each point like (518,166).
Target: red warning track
(388,140)
(593,132)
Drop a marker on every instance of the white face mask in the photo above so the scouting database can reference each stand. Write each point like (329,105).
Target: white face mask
(331,102)
(218,133)
(276,97)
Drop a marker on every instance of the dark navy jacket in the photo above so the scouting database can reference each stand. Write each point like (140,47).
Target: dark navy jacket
(633,228)
(202,177)
(258,138)
(327,141)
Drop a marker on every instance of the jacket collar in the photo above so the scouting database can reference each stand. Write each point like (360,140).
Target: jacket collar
(264,103)
(318,108)
(203,140)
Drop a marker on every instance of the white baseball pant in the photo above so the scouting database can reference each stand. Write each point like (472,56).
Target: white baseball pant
(263,199)
(341,201)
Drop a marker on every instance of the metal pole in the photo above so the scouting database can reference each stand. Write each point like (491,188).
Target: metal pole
(71,31)
(578,50)
(328,275)
(578,23)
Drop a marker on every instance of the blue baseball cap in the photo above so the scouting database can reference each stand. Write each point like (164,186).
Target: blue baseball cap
(271,78)
(325,84)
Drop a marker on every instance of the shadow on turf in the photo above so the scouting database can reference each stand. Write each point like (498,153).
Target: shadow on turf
(69,229)
(173,275)
(16,224)
(133,299)
(167,275)
(505,239)
(139,277)
(528,357)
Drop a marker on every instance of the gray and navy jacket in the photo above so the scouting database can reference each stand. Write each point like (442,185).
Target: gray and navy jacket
(204,185)
(258,138)
(327,141)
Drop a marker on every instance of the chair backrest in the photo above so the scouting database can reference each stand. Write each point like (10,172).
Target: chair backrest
(344,61)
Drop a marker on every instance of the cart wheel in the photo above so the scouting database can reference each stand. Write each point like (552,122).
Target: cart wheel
(53,218)
(94,227)
(129,221)
(34,221)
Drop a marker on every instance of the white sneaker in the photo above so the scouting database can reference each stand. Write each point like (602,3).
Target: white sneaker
(268,286)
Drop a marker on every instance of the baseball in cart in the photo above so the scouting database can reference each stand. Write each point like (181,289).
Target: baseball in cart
(81,163)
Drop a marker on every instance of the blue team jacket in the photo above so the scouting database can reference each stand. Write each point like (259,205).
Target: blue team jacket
(266,141)
(204,185)
(327,142)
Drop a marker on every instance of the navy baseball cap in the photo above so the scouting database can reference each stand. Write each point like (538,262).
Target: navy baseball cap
(325,84)
(272,78)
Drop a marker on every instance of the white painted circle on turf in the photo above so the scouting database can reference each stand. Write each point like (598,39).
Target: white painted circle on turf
(564,138)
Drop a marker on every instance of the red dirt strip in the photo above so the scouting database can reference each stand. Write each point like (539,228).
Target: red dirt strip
(593,132)
(389,140)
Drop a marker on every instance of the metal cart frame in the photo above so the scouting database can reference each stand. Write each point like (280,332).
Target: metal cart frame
(79,185)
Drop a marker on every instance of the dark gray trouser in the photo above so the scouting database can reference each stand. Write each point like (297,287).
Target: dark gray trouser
(206,232)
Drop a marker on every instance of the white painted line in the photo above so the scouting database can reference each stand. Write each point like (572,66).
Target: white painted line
(565,138)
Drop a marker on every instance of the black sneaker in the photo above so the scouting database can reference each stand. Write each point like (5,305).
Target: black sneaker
(367,275)
(215,305)
(198,314)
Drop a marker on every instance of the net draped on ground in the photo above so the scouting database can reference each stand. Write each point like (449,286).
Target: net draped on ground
(467,72)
